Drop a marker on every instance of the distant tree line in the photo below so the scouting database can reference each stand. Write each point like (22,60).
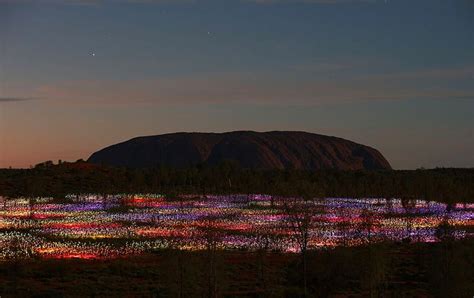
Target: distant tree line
(447,185)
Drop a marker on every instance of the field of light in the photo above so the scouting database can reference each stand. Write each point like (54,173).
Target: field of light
(95,227)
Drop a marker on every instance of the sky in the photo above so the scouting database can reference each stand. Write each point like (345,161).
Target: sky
(79,75)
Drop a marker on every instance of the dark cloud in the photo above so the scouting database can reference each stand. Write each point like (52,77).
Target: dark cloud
(14,99)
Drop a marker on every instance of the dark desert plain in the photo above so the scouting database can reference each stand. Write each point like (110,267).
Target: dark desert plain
(236,148)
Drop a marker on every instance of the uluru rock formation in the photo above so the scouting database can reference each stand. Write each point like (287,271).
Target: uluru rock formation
(266,150)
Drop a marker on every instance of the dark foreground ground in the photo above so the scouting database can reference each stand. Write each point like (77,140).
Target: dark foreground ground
(384,270)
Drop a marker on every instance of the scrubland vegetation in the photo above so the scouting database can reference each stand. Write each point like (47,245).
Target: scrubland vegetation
(46,179)
(442,269)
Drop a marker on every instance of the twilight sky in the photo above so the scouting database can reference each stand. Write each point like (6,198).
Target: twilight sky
(79,75)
